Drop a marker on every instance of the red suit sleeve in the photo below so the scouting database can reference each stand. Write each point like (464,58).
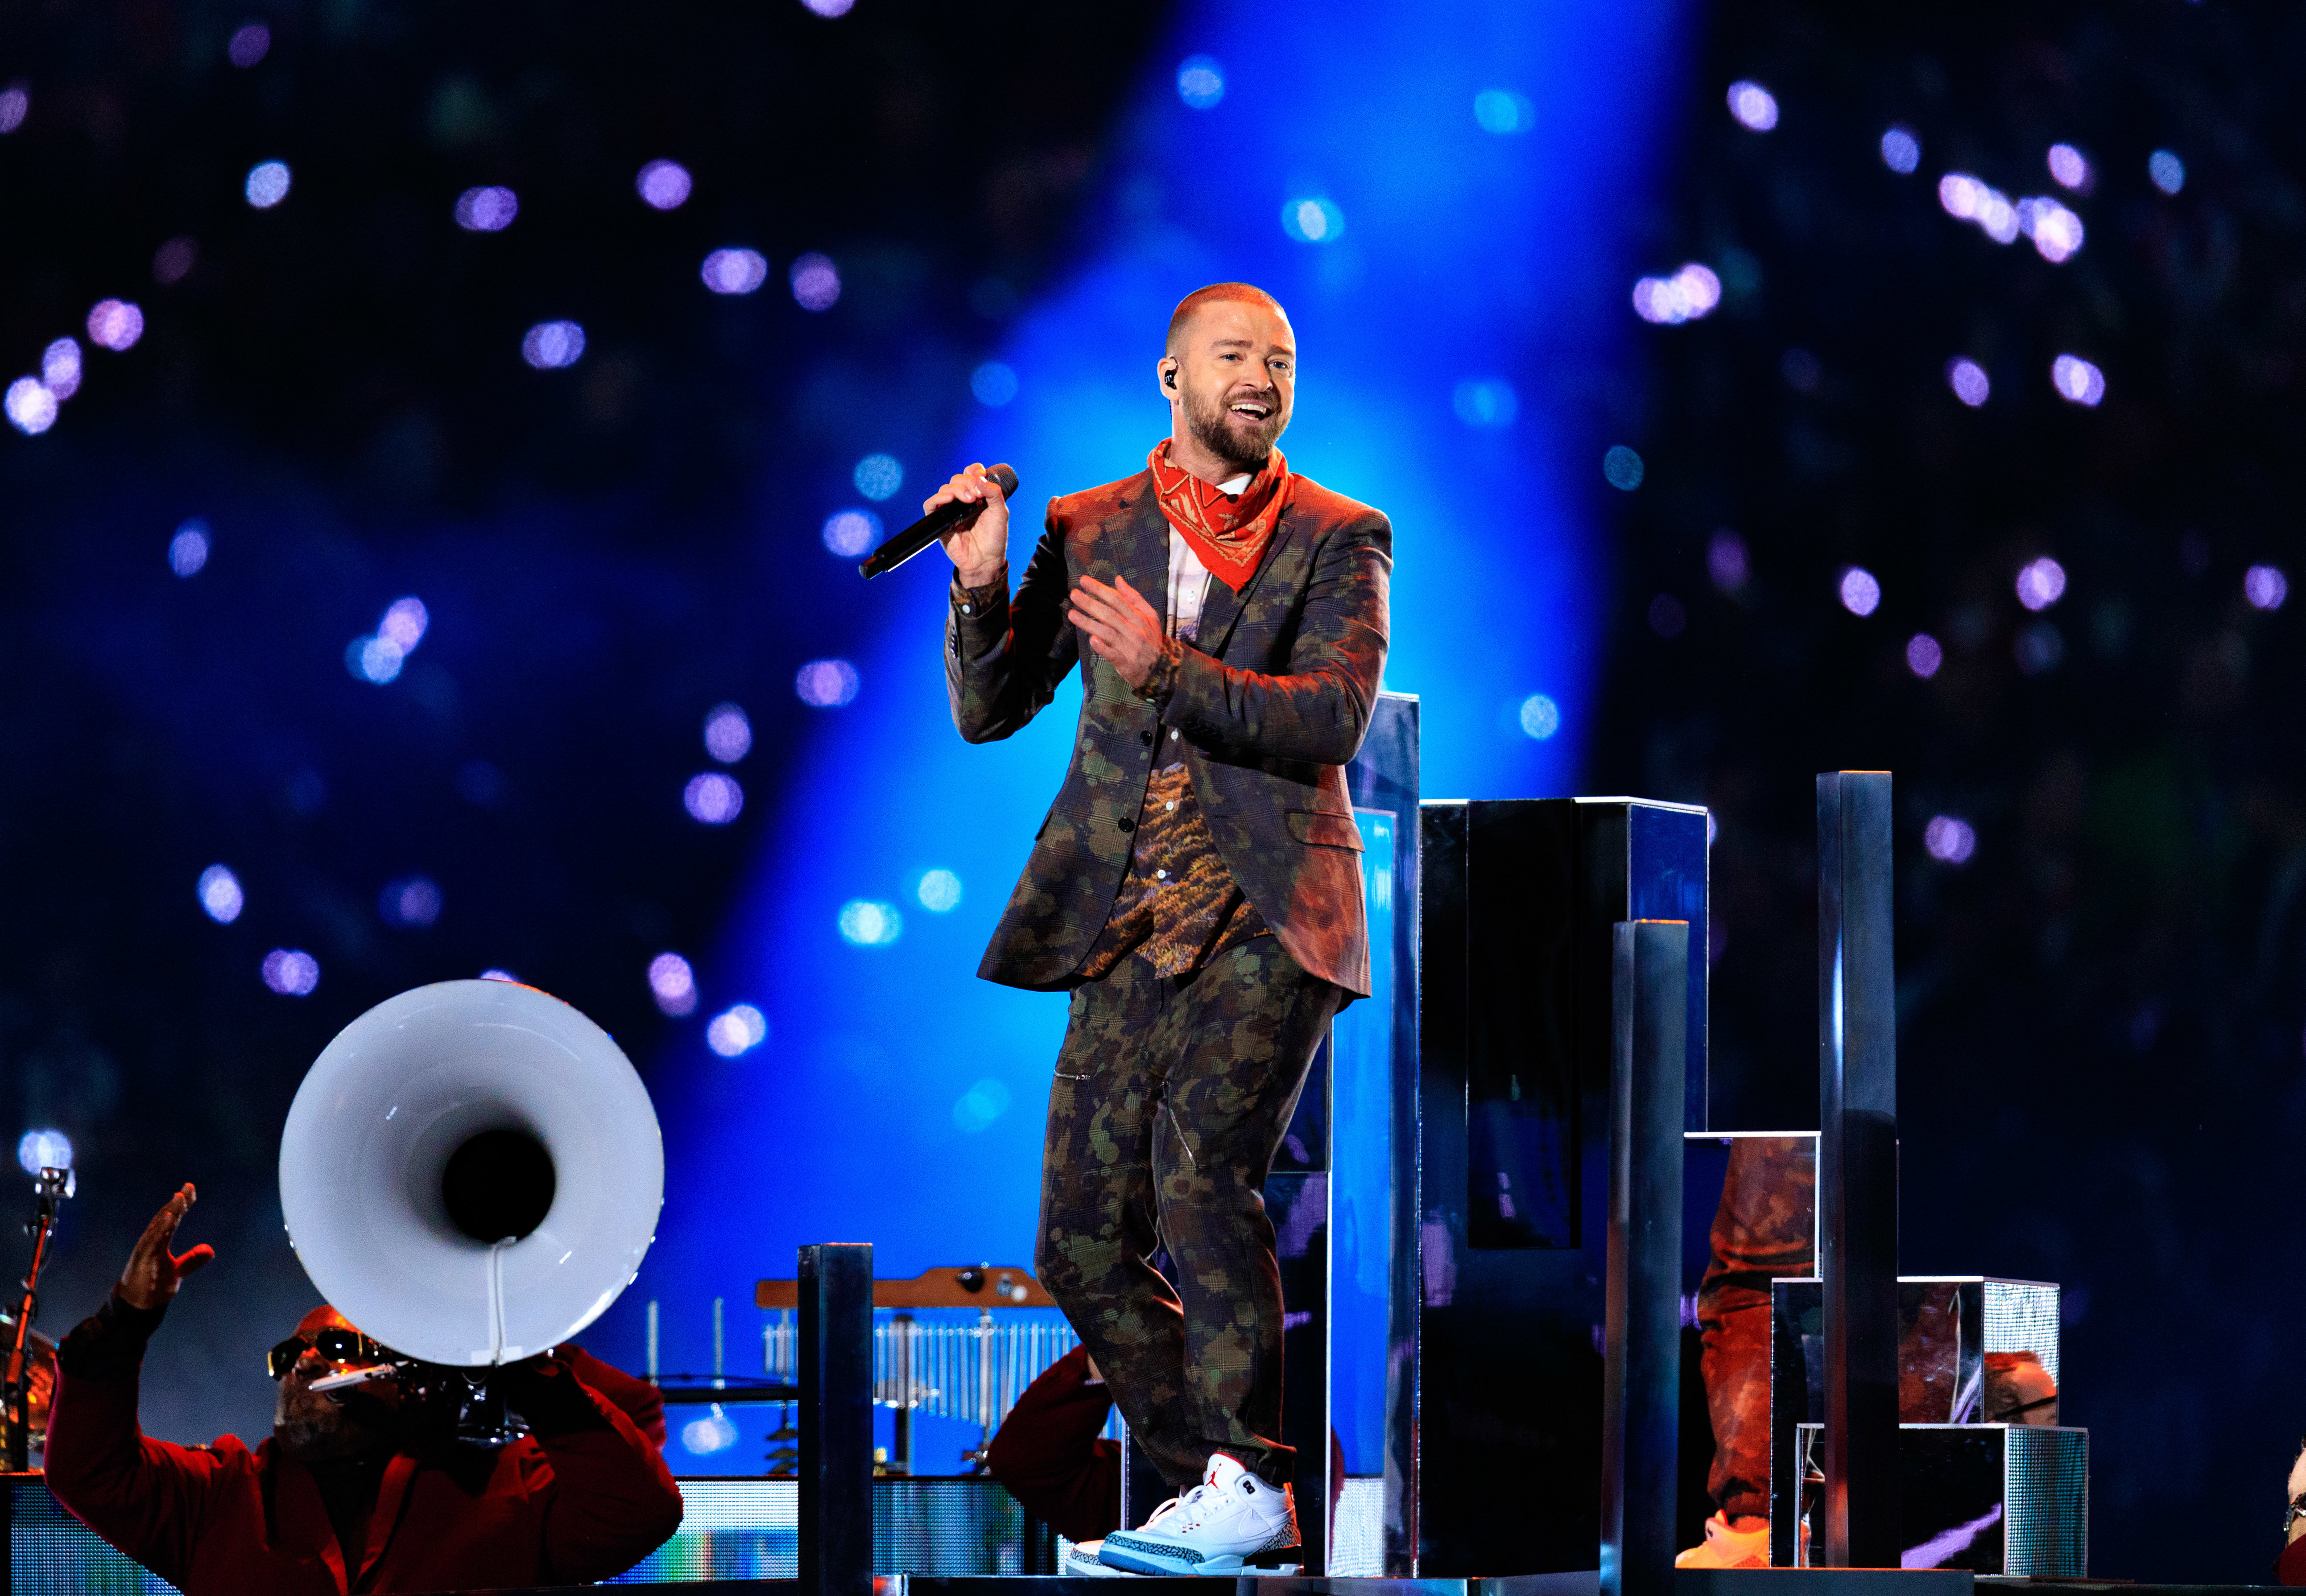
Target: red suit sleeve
(640,1401)
(149,1499)
(1048,1456)
(2290,1568)
(613,1501)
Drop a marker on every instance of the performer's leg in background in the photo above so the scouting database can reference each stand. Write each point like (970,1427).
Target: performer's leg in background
(1098,1210)
(1764,1228)
(1241,1034)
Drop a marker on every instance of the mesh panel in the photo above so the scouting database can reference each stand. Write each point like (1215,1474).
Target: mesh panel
(2049,1501)
(52,1551)
(1357,1537)
(2022,1316)
(750,1529)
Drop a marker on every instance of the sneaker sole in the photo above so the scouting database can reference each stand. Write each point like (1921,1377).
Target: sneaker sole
(1130,1560)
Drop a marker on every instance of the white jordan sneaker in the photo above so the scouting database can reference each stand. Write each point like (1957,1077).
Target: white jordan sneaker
(1216,1528)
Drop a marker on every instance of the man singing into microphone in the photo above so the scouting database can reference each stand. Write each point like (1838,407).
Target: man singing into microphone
(1195,886)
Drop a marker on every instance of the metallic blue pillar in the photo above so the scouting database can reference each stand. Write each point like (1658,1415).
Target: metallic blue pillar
(836,1419)
(1857,1521)
(1640,1379)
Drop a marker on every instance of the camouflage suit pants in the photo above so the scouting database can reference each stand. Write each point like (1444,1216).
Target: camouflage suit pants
(1764,1229)
(1171,1097)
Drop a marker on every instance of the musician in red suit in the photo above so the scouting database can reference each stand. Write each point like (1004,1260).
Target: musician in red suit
(360,1492)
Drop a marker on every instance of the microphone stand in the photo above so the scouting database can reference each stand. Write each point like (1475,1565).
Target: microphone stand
(51,1187)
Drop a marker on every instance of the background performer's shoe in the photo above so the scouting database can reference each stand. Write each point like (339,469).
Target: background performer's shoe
(1216,1528)
(1743,1545)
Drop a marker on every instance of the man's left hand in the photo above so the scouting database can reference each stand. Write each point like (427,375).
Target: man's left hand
(1121,627)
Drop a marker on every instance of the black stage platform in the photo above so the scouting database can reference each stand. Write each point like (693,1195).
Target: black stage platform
(1687,1582)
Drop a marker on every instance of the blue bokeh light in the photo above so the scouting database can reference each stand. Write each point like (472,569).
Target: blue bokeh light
(1200,81)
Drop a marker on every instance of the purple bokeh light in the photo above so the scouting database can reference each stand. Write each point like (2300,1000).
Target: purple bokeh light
(850,532)
(31,408)
(1861,593)
(1725,561)
(826,684)
(714,798)
(734,271)
(291,972)
(2070,168)
(1686,296)
(115,324)
(673,984)
(487,210)
(268,184)
(736,1030)
(1924,655)
(2077,380)
(2265,586)
(728,734)
(413,901)
(174,261)
(188,551)
(663,185)
(1752,106)
(2041,583)
(815,282)
(1969,381)
(250,43)
(549,345)
(1949,840)
(60,367)
(220,895)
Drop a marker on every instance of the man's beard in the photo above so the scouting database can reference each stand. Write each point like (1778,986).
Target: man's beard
(312,1426)
(1211,428)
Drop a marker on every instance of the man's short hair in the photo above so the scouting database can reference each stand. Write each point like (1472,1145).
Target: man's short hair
(1246,292)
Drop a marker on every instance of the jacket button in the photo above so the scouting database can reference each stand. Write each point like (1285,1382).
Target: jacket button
(1127,824)
(1145,736)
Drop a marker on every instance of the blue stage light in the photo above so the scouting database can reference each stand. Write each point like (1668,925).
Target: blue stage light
(1455,243)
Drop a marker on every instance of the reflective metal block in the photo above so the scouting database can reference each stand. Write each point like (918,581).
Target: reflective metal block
(1958,1335)
(1519,901)
(1993,1499)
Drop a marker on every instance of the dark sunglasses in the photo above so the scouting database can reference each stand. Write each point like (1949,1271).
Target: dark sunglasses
(338,1346)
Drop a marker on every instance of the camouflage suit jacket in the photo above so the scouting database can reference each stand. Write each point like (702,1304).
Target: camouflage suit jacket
(1272,704)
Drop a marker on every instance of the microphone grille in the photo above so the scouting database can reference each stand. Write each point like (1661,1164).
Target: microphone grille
(1006,477)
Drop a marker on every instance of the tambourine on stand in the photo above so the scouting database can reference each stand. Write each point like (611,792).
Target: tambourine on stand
(471,1174)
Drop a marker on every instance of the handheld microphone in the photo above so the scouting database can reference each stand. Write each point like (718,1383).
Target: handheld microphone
(946,518)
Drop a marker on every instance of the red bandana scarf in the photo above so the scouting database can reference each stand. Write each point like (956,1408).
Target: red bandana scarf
(1228,534)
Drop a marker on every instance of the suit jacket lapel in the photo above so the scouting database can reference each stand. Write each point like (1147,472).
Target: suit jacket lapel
(1221,610)
(384,1518)
(1135,546)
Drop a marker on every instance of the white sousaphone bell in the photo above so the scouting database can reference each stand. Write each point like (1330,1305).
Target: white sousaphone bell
(471,1172)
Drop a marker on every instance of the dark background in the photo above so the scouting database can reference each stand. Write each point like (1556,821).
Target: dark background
(2101,1011)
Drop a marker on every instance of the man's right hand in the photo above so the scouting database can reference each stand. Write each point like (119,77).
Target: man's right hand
(980,549)
(153,1274)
